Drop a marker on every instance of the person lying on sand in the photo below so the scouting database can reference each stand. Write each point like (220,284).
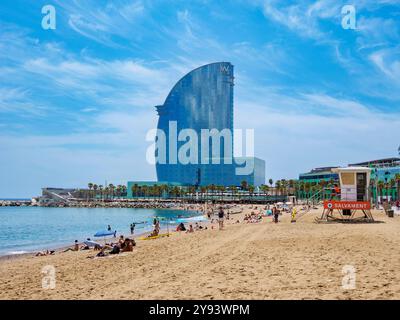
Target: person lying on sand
(198,227)
(103,252)
(44,253)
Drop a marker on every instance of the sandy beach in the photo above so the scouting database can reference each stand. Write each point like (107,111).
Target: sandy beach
(301,260)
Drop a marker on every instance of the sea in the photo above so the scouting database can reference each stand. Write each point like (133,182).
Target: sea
(31,229)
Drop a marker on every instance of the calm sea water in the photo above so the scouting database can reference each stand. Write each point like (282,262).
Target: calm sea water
(26,229)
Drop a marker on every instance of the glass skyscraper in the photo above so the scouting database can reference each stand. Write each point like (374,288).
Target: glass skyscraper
(202,99)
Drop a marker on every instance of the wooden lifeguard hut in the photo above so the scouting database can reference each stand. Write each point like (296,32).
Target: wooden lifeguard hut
(352,202)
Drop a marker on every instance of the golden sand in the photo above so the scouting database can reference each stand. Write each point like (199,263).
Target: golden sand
(264,260)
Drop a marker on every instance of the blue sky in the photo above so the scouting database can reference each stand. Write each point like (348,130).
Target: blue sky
(76,102)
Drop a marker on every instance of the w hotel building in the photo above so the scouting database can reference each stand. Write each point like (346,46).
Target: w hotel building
(203,99)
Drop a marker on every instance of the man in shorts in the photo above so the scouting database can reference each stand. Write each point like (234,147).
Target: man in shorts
(221,215)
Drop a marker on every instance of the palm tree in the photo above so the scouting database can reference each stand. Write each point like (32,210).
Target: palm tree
(381,185)
(212,189)
(221,189)
(192,191)
(322,185)
(101,191)
(233,190)
(111,187)
(307,188)
(264,188)
(203,190)
(90,186)
(392,184)
(95,187)
(145,190)
(371,189)
(123,190)
(135,190)
(271,182)
(291,184)
(251,190)
(106,192)
(278,186)
(397,178)
(300,188)
(284,185)
(118,190)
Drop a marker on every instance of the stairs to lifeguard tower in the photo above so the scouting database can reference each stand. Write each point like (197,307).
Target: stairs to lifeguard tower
(311,201)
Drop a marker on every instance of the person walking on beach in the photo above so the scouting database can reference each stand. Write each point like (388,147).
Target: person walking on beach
(294,212)
(221,215)
(133,228)
(275,213)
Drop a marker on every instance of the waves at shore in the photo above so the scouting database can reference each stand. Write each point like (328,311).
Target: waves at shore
(30,228)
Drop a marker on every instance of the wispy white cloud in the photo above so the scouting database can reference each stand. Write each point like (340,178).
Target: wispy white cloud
(303,18)
(103,23)
(297,133)
(18,100)
(388,62)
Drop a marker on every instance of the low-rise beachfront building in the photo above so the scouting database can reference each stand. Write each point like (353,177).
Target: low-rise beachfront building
(385,178)
(50,195)
(319,174)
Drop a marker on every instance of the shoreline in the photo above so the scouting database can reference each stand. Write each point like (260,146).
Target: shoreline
(61,248)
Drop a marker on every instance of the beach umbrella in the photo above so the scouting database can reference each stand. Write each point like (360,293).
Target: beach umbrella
(104,233)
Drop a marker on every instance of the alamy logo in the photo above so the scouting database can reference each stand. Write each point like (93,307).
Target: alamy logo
(49,20)
(213,146)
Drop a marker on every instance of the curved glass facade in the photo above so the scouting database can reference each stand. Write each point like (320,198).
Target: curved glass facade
(201,101)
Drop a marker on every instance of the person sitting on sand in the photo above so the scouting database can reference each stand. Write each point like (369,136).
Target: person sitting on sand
(121,240)
(129,244)
(155,232)
(181,227)
(74,248)
(190,229)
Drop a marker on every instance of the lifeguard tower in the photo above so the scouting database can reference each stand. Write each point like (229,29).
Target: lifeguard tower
(352,203)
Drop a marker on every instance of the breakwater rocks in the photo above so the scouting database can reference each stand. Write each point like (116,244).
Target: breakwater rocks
(16,203)
(124,204)
(103,204)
